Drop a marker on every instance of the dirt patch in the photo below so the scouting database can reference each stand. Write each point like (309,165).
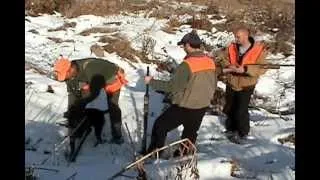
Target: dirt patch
(87,32)
(33,31)
(110,23)
(290,139)
(169,29)
(69,40)
(97,50)
(59,40)
(107,39)
(64,27)
(56,40)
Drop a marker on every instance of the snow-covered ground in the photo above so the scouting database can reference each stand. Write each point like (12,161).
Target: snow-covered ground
(262,157)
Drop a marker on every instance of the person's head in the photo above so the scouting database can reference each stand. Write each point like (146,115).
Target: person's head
(242,36)
(64,69)
(190,42)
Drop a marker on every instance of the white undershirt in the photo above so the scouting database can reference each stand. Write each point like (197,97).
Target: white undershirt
(243,49)
(100,102)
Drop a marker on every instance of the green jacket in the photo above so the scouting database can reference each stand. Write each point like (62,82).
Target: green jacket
(95,72)
(187,89)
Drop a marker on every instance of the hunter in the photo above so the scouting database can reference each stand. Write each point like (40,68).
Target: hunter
(191,88)
(241,81)
(85,78)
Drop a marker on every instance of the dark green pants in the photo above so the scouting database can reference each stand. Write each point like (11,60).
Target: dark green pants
(115,114)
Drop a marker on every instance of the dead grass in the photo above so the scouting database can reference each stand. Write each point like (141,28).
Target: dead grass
(174,22)
(34,7)
(235,167)
(279,46)
(87,32)
(201,23)
(260,15)
(122,47)
(37,6)
(165,11)
(106,7)
(169,29)
(161,13)
(212,9)
(147,49)
(218,101)
(97,7)
(64,27)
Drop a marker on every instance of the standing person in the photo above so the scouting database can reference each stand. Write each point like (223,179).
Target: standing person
(84,79)
(192,87)
(241,82)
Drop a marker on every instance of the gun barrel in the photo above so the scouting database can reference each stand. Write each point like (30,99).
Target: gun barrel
(272,66)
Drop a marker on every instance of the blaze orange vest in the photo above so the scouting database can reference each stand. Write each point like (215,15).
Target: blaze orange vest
(250,57)
(113,87)
(203,63)
(117,84)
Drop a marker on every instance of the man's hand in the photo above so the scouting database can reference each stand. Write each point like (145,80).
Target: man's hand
(239,69)
(231,66)
(147,79)
(227,70)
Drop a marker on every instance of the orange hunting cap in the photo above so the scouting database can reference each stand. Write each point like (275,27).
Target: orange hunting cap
(61,68)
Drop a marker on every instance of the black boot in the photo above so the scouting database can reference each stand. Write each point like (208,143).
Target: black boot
(117,140)
(99,141)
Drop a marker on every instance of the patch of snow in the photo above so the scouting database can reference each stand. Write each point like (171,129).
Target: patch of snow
(215,21)
(214,30)
(267,87)
(264,37)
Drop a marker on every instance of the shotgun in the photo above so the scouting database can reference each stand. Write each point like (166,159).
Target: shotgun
(145,117)
(271,66)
